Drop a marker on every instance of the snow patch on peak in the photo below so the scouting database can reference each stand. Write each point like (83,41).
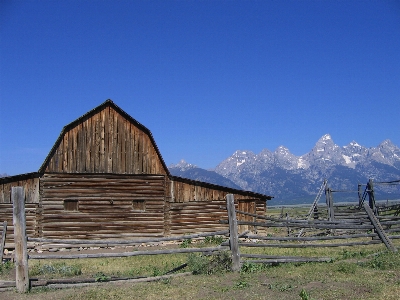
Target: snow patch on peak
(302,164)
(281,149)
(182,165)
(326,137)
(347,159)
(238,163)
(355,144)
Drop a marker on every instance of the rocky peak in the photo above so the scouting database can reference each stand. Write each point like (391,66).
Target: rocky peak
(182,165)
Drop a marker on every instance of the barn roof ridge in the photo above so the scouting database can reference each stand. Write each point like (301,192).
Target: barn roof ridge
(98,108)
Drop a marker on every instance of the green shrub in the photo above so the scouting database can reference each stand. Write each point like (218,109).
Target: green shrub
(101,277)
(347,268)
(214,240)
(250,267)
(216,263)
(346,254)
(304,295)
(383,261)
(6,267)
(185,243)
(241,284)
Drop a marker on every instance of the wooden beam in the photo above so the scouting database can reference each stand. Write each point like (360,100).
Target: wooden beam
(21,253)
(378,228)
(126,254)
(3,240)
(233,233)
(125,241)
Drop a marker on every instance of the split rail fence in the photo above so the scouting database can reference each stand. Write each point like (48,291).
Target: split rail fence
(363,223)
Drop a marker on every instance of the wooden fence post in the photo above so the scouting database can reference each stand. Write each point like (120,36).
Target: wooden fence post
(3,241)
(371,196)
(233,233)
(21,253)
(329,203)
(359,196)
(287,223)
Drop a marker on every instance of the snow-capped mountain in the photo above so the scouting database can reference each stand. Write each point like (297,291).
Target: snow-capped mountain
(287,176)
(186,170)
(181,166)
(290,178)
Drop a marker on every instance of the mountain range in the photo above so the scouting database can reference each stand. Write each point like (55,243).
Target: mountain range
(292,179)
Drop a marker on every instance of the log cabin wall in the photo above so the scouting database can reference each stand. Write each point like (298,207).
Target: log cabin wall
(95,206)
(198,206)
(106,140)
(30,182)
(31,212)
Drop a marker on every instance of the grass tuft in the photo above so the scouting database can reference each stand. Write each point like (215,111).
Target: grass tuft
(213,264)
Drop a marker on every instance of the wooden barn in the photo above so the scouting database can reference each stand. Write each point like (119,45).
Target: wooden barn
(105,178)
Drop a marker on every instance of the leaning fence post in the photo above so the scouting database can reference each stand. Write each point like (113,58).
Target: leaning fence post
(3,241)
(233,233)
(21,254)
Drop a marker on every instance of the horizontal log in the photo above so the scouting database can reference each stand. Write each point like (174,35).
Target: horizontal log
(314,238)
(113,280)
(104,185)
(284,245)
(135,241)
(88,235)
(294,221)
(125,254)
(99,227)
(278,257)
(245,255)
(305,225)
(288,260)
(7,283)
(97,233)
(104,195)
(77,215)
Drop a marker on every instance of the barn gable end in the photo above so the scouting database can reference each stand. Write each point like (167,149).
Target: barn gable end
(105,140)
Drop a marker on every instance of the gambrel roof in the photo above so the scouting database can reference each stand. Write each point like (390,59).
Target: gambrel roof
(105,124)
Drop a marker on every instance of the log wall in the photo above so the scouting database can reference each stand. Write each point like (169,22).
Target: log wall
(29,182)
(198,207)
(181,191)
(109,206)
(31,212)
(197,216)
(104,142)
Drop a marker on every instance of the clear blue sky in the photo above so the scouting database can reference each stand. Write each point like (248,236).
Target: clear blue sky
(206,77)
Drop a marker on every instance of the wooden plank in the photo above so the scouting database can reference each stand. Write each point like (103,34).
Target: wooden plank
(289,260)
(300,225)
(126,254)
(378,228)
(233,233)
(21,258)
(78,142)
(3,240)
(135,241)
(309,245)
(311,238)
